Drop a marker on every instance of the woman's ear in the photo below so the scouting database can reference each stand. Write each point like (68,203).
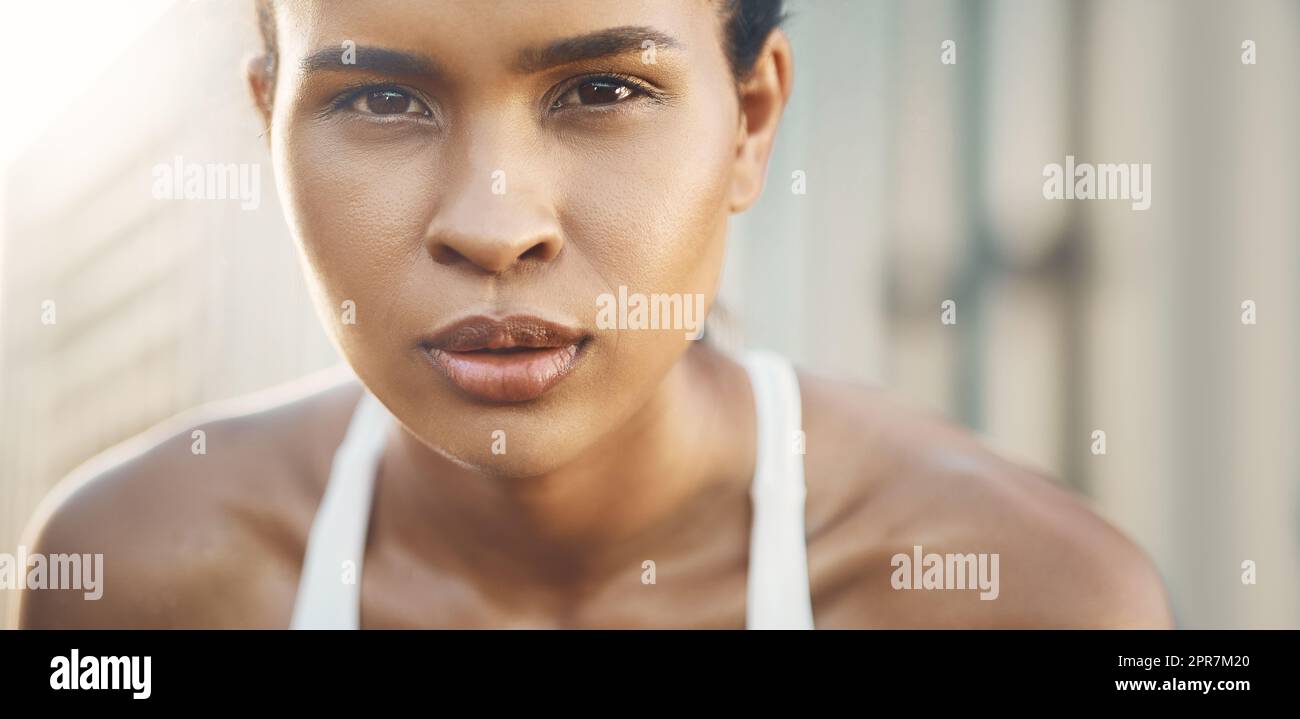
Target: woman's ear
(260,85)
(763,96)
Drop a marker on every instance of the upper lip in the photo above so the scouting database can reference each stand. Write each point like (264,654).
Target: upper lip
(488,333)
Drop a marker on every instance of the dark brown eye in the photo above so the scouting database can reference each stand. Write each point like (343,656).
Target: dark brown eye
(389,101)
(600,91)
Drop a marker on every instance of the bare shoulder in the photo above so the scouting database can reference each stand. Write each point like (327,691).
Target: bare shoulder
(913,522)
(201,520)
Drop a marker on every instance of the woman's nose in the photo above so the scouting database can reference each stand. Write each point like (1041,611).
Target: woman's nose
(493,222)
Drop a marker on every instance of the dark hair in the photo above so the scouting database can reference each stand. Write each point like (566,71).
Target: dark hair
(747,25)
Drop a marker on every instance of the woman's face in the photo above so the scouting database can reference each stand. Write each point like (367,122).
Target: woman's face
(445,161)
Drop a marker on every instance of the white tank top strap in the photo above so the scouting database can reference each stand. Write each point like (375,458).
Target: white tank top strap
(329,591)
(779,594)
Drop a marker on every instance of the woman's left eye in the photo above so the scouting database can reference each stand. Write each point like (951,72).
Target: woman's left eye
(388,102)
(597,92)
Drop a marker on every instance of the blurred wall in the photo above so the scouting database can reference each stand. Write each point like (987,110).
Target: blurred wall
(160,305)
(922,183)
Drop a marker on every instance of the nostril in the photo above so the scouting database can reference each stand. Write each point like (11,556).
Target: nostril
(446,255)
(539,251)
(491,254)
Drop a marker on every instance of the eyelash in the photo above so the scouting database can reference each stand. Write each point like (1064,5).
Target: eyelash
(344,102)
(639,88)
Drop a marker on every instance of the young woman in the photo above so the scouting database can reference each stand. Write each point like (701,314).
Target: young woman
(467,183)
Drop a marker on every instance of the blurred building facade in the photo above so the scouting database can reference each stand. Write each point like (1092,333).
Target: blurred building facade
(922,184)
(159,305)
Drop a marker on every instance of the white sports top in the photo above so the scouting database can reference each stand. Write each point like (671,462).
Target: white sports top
(777,595)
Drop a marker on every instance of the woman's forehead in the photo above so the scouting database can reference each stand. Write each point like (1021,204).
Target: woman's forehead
(506,31)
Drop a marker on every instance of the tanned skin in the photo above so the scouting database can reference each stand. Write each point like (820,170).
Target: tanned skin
(644,452)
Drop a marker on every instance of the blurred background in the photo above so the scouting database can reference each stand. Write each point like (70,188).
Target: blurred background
(923,184)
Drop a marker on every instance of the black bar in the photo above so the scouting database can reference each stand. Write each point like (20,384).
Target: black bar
(948,667)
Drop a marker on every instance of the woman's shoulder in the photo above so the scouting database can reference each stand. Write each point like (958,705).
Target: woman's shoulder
(197,512)
(891,486)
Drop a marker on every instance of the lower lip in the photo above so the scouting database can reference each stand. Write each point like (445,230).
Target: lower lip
(507,377)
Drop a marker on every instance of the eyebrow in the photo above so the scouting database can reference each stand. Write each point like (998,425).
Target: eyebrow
(375,59)
(602,43)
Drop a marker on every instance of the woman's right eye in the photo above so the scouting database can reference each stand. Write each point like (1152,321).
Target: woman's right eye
(388,102)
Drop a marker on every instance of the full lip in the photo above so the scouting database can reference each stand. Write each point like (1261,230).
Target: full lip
(511,359)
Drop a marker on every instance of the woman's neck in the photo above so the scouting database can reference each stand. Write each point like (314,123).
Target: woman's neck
(611,504)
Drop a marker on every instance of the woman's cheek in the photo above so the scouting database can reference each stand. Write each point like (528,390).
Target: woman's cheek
(648,215)
(359,217)
(647,210)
